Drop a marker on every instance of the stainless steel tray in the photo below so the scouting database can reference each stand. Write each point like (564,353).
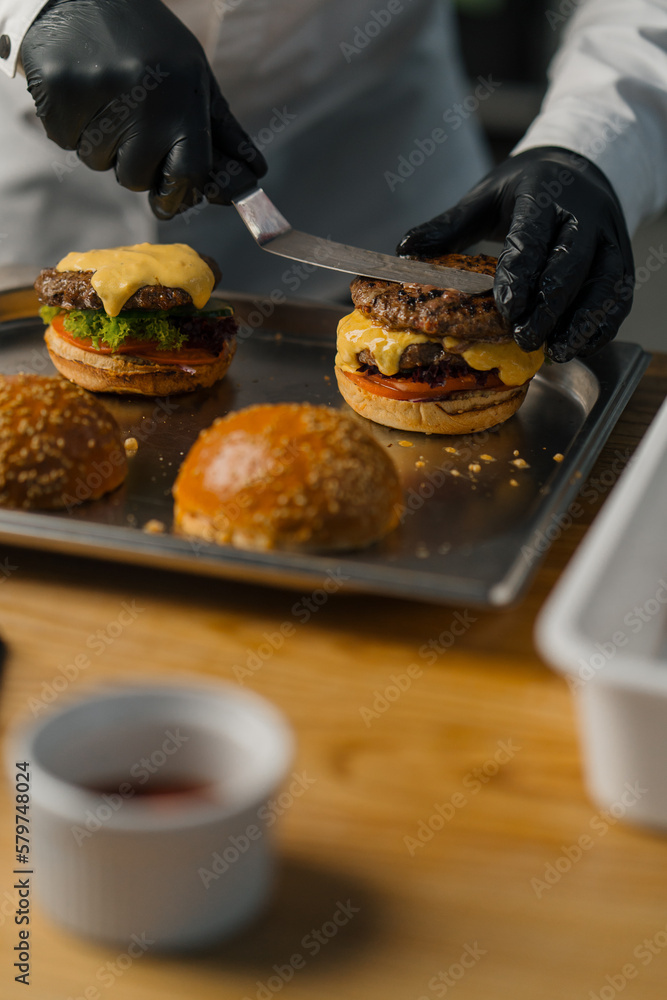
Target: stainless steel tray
(473,530)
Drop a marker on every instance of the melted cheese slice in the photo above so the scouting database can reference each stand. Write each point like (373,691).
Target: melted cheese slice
(121,271)
(356,332)
(514,365)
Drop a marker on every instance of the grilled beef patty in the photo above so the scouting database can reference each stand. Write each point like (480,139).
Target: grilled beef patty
(435,311)
(73,290)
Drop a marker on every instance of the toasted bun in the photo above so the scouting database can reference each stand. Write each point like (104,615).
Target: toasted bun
(59,445)
(289,476)
(122,373)
(463,414)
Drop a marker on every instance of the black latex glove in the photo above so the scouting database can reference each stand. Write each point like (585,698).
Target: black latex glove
(566,273)
(128,86)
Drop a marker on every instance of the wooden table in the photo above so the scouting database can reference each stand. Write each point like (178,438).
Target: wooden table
(480,752)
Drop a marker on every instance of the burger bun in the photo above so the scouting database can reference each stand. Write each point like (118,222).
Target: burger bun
(462,413)
(122,373)
(287,476)
(59,445)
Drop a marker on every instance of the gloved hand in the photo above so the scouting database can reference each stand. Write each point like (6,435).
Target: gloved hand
(128,86)
(566,273)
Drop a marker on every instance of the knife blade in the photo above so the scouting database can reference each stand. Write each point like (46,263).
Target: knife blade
(272,232)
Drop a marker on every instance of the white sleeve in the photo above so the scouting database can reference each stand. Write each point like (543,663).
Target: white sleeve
(16,16)
(607,97)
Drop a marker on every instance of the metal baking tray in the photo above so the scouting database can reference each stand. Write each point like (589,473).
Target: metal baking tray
(474,528)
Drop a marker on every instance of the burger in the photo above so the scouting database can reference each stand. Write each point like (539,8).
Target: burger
(137,319)
(287,476)
(429,359)
(59,445)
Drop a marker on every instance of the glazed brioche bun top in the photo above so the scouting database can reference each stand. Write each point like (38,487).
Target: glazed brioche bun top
(288,476)
(59,446)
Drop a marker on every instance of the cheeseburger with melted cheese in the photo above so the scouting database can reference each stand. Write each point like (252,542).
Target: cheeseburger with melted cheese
(137,319)
(429,359)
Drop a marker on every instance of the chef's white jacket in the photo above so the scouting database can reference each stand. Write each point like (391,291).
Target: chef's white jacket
(365,117)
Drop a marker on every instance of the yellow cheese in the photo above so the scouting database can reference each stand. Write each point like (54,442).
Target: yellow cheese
(514,365)
(356,332)
(121,271)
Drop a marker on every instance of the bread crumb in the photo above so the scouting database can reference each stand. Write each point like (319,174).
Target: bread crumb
(455,472)
(487,458)
(327,378)
(474,467)
(515,452)
(520,463)
(131,446)
(513,482)
(406,444)
(154,527)
(558,457)
(419,465)
(452,451)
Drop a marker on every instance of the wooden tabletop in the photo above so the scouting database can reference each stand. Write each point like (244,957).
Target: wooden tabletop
(432,821)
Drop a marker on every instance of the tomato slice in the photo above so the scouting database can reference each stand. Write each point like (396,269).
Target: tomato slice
(138,348)
(401,388)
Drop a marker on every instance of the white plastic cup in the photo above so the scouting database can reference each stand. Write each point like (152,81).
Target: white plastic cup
(184,857)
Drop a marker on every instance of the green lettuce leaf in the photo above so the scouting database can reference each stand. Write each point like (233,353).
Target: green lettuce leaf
(111,331)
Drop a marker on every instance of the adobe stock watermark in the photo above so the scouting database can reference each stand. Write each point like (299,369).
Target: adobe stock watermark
(267,814)
(364,34)
(261,309)
(7,569)
(303,610)
(276,466)
(599,824)
(97,642)
(443,981)
(312,943)
(454,117)
(468,446)
(644,952)
(635,620)
(219,180)
(84,487)
(474,781)
(430,652)
(117,112)
(111,971)
(549,191)
(595,488)
(557,17)
(141,771)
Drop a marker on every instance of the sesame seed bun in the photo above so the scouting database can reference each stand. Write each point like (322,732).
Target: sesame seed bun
(122,373)
(59,445)
(287,476)
(462,413)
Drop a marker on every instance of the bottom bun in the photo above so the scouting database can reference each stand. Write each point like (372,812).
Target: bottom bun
(123,373)
(465,414)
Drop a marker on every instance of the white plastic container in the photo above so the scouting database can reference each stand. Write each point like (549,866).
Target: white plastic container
(604,627)
(147,815)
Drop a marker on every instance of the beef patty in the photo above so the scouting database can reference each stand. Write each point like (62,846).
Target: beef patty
(73,290)
(435,311)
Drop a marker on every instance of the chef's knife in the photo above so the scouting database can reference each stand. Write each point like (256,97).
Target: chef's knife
(272,232)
